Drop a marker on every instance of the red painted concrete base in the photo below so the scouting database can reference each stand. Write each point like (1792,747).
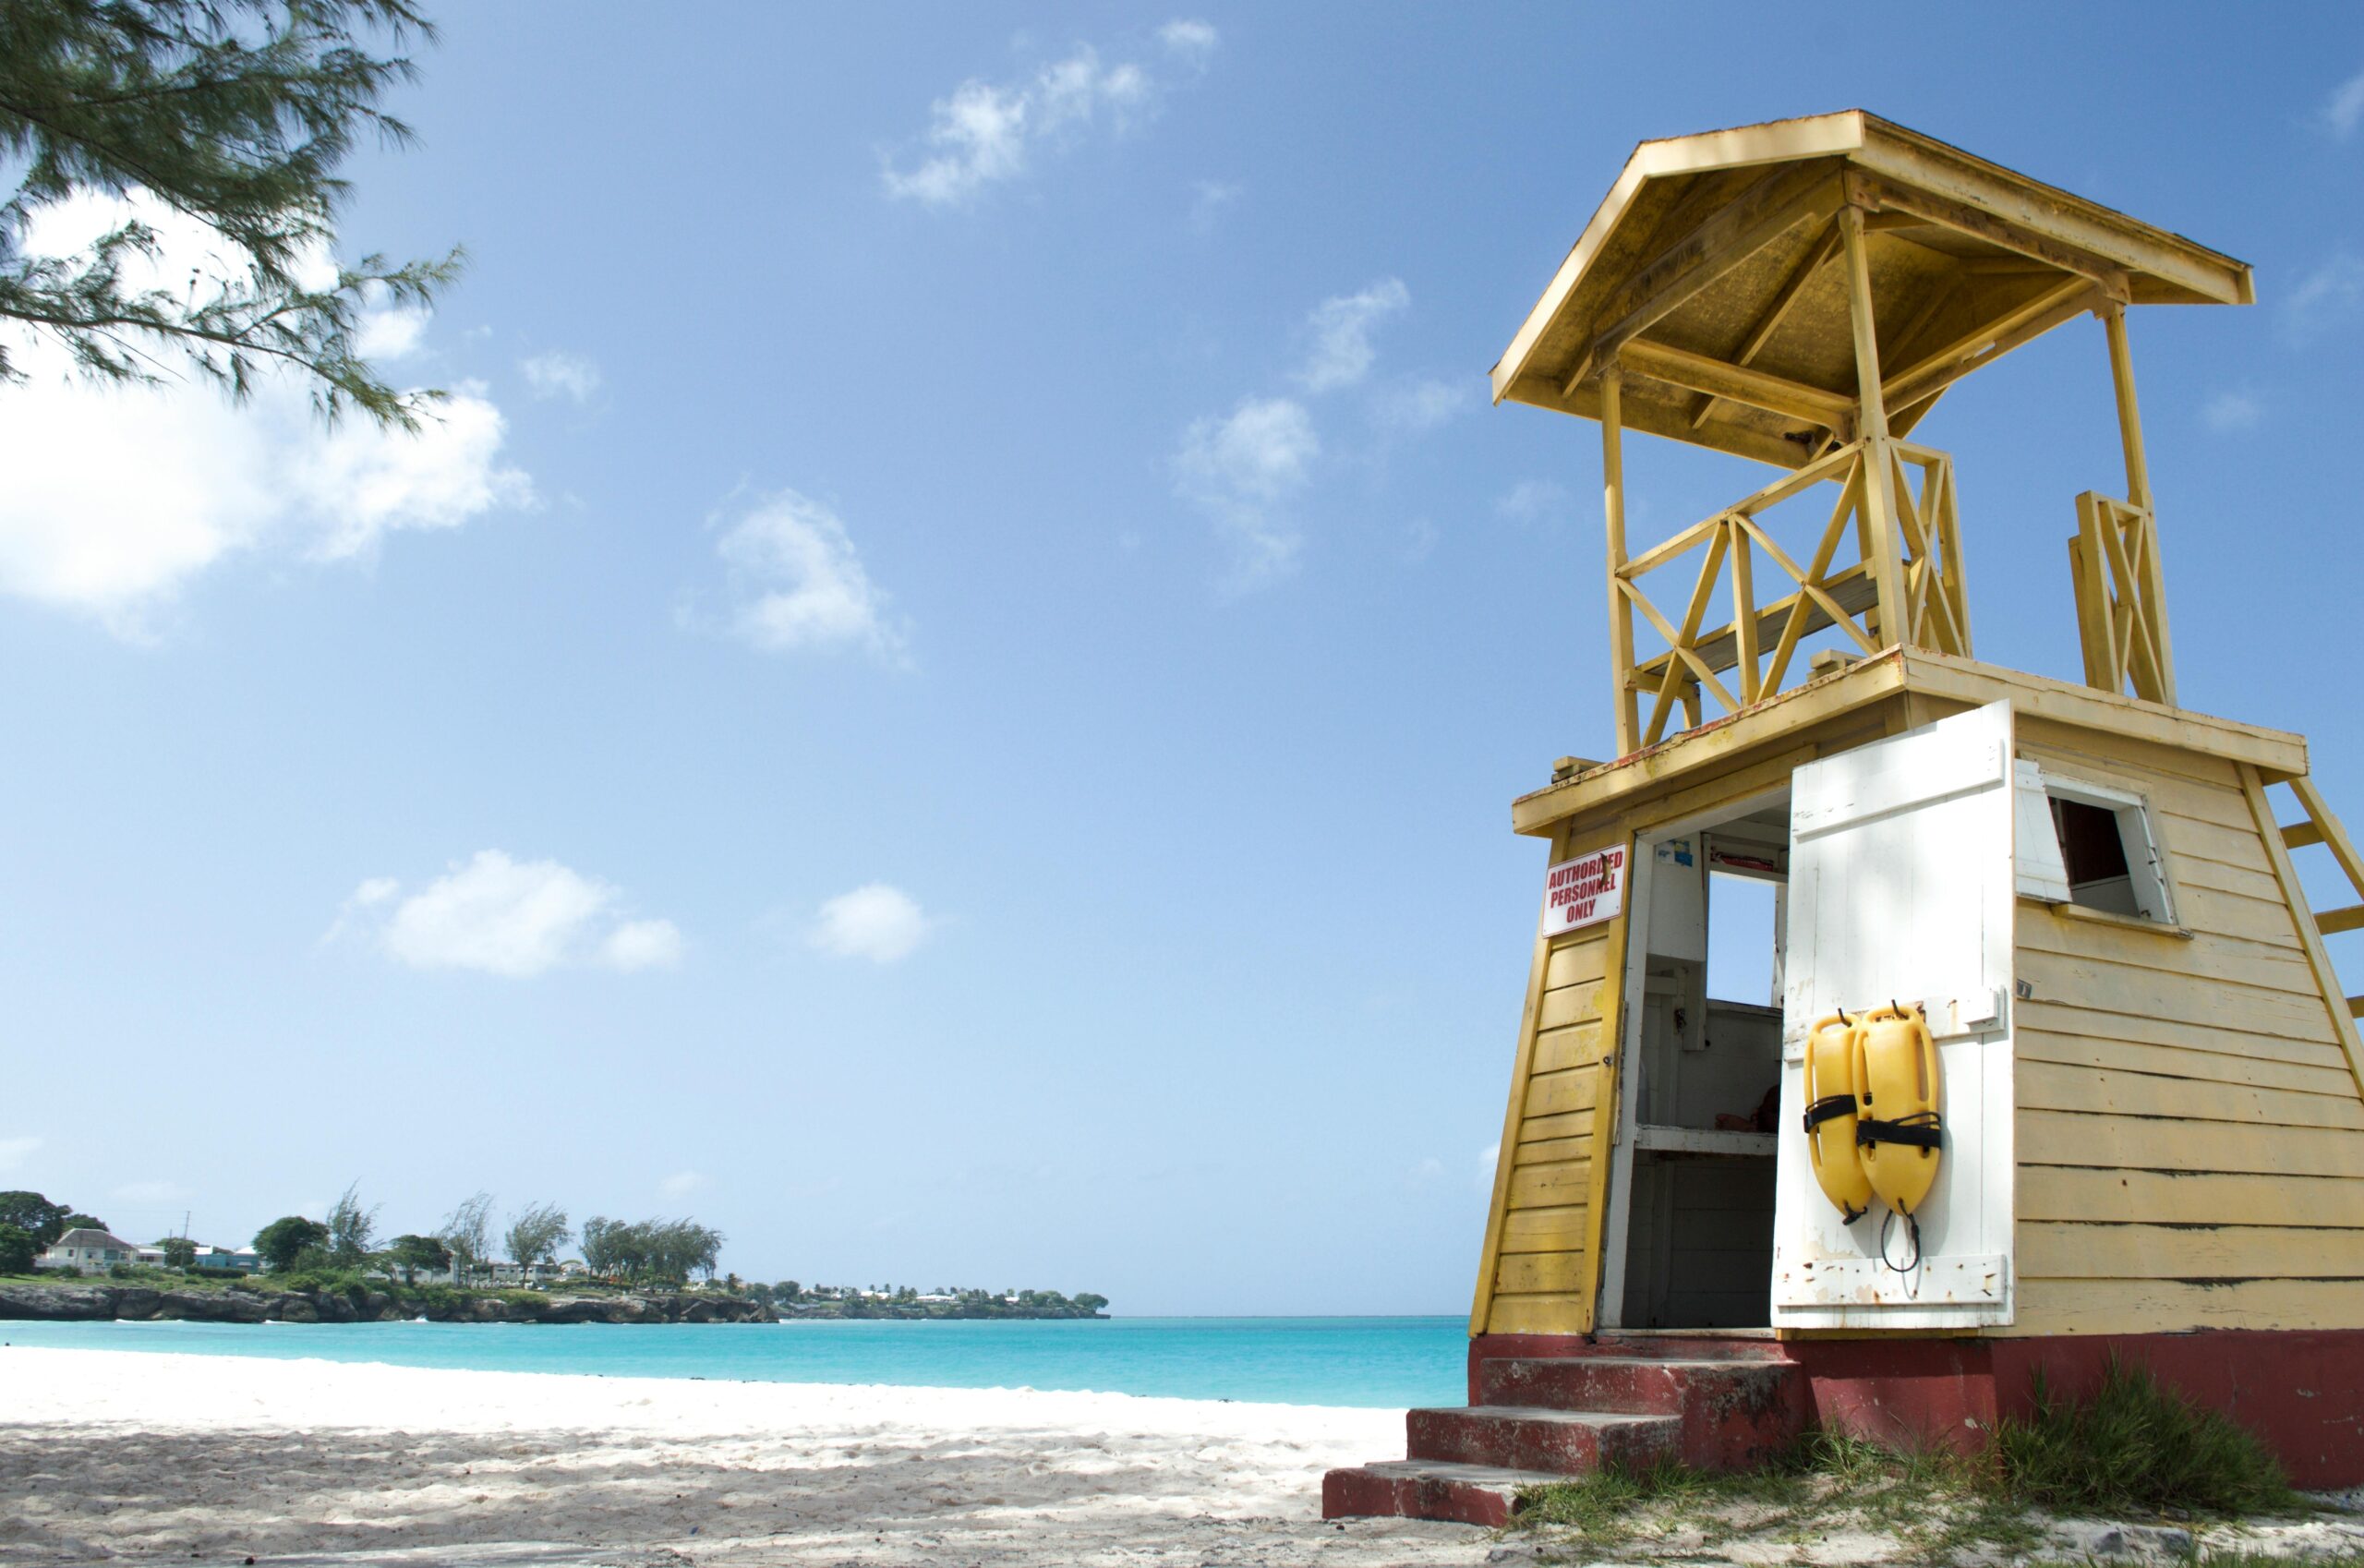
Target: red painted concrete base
(2301,1391)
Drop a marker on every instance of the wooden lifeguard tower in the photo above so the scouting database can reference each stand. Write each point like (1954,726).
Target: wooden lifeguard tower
(2152,1101)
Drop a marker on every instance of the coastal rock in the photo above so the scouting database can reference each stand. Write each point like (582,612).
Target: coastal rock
(56,1302)
(210,1306)
(254,1304)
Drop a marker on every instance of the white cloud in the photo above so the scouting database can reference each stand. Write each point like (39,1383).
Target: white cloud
(516,918)
(121,495)
(152,1192)
(983,134)
(1342,353)
(2331,295)
(642,944)
(1489,1158)
(2345,109)
(1534,500)
(680,1184)
(1419,406)
(1243,468)
(2233,410)
(560,374)
(1189,40)
(372,892)
(877,922)
(394,333)
(797,583)
(15,1152)
(118,496)
(1210,200)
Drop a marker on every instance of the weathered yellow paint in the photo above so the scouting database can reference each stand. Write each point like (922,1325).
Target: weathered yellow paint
(1571,1046)
(2108,1250)
(2211,1066)
(1532,1273)
(1542,1240)
(1539,1314)
(2074,1138)
(2203,1198)
(2052,1087)
(2202,954)
(2100,1306)
(2108,987)
(1559,1229)
(2042,1017)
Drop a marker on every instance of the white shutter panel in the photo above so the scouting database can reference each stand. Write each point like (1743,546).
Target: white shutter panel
(1901,890)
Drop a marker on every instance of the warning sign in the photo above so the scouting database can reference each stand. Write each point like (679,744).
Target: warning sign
(1583,892)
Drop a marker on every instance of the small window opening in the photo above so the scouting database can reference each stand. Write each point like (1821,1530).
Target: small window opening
(2092,849)
(2090,846)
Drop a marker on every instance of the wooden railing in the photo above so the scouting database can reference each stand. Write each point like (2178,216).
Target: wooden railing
(1904,583)
(2121,598)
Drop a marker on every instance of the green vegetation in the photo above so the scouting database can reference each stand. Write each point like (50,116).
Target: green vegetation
(2133,1450)
(352,1228)
(537,1231)
(467,1231)
(34,1214)
(236,114)
(645,1251)
(285,1241)
(2137,1447)
(342,1256)
(414,1255)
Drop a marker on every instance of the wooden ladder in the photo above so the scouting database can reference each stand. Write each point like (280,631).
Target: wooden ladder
(2322,828)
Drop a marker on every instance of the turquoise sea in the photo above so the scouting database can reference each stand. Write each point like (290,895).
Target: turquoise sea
(1384,1362)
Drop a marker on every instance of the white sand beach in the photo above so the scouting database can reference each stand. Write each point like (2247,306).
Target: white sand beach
(216,1458)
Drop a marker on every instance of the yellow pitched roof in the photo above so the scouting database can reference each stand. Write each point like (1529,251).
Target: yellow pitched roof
(1706,270)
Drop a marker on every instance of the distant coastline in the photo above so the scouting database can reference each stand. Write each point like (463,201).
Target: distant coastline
(259,1301)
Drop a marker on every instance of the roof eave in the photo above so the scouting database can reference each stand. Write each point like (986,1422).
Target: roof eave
(2186,269)
(1816,136)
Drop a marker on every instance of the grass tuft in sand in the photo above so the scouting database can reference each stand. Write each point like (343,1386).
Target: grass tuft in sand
(2136,1447)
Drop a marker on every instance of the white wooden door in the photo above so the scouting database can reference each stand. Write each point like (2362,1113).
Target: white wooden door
(1901,890)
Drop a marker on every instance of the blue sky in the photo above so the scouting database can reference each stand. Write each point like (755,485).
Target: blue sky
(947,698)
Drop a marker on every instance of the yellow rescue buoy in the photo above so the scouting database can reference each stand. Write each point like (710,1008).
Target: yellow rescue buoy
(1898,1132)
(1830,1116)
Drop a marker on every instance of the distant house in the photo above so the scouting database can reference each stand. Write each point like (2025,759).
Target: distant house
(229,1260)
(86,1251)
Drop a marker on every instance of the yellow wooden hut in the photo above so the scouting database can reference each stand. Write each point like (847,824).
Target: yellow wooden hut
(2148,1077)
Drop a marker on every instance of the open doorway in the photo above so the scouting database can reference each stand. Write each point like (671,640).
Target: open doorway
(1692,1184)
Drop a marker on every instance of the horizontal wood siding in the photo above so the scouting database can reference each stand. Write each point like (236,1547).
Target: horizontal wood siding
(1544,1262)
(2190,1137)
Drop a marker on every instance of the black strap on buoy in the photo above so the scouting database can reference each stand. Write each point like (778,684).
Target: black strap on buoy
(1829,1108)
(1919,1130)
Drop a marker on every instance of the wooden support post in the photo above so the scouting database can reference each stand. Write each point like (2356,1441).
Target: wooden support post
(2129,418)
(1621,609)
(2154,584)
(1879,515)
(1745,615)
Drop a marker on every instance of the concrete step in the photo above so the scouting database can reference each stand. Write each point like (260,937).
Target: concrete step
(1734,1413)
(1567,1442)
(1414,1489)
(1683,1346)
